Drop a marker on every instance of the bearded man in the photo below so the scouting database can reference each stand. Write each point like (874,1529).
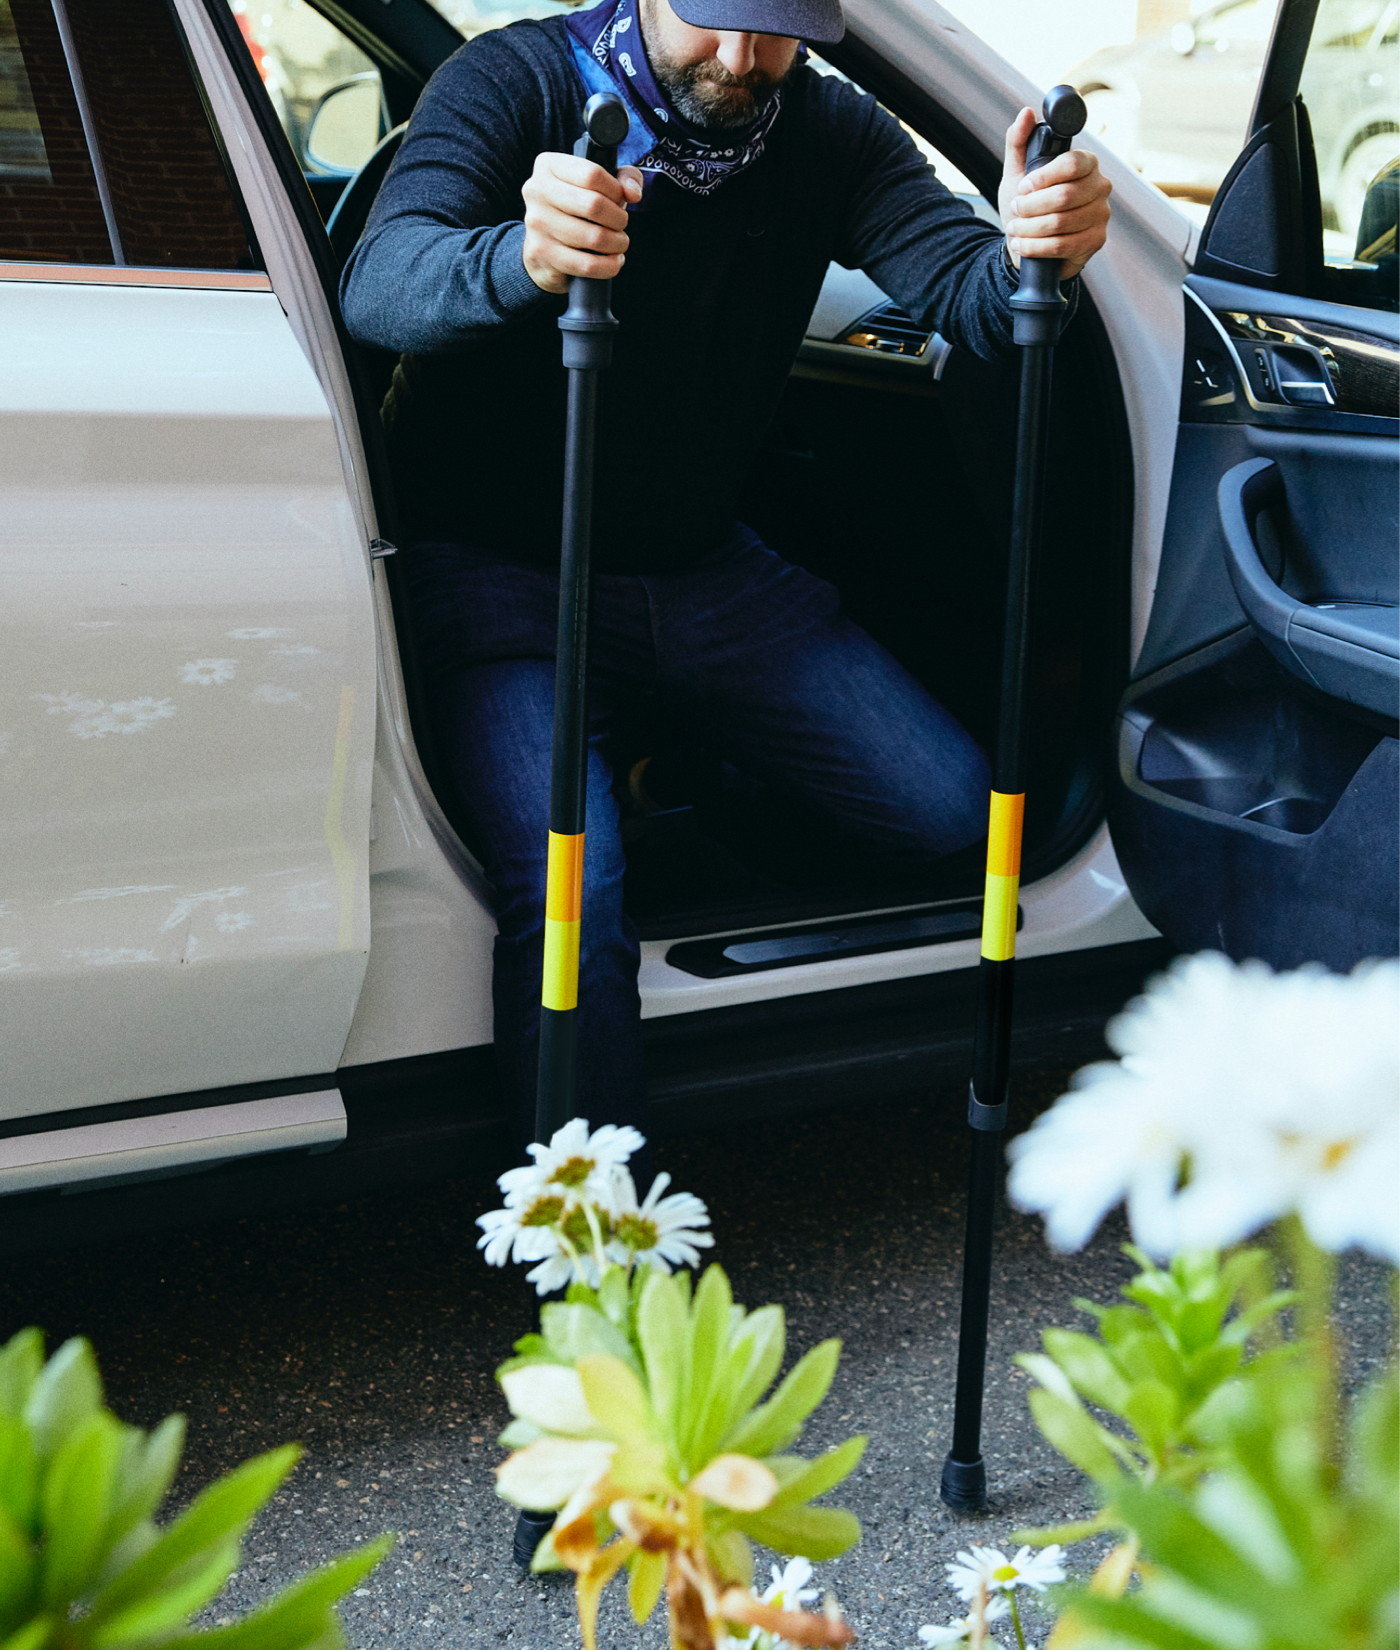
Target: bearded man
(746,173)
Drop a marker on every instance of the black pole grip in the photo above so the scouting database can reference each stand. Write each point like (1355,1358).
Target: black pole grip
(1038,302)
(588,323)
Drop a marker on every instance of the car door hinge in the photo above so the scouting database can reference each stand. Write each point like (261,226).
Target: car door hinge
(379,548)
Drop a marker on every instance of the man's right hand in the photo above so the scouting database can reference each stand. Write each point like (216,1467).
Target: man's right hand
(576,220)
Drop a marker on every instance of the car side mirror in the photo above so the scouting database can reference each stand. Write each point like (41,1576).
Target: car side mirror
(345,125)
(1183,38)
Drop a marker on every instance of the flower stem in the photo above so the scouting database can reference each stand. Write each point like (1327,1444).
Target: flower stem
(1016,1621)
(591,1217)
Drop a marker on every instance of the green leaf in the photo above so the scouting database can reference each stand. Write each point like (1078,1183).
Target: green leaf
(617,1398)
(32,1635)
(1374,1463)
(77,1498)
(1077,1436)
(645,1583)
(1129,1624)
(19,1572)
(21,1359)
(804,1532)
(1065,1535)
(19,1475)
(662,1323)
(732,1555)
(298,1617)
(520,1433)
(820,1475)
(772,1426)
(759,1347)
(144,1473)
(572,1332)
(710,1316)
(219,1514)
(68,1389)
(1090,1369)
(614,1297)
(748,1364)
(173,1603)
(1151,1410)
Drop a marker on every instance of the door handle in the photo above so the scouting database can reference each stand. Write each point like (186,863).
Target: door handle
(1300,371)
(1350,650)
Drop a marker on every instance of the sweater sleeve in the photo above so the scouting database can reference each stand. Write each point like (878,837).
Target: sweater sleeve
(921,244)
(440,263)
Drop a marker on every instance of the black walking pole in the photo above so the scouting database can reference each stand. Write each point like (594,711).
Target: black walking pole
(1038,306)
(588,326)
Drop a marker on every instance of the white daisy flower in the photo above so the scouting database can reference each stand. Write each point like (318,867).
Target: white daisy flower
(959,1629)
(990,1568)
(789,1589)
(523,1234)
(575,1163)
(661,1231)
(1241,1095)
(208,672)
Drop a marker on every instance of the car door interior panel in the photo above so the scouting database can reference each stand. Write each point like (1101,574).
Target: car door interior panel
(1254,807)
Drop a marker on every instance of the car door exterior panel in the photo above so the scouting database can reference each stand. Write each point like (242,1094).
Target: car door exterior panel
(186,697)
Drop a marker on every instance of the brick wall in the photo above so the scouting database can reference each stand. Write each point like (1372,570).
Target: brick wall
(171,195)
(60,221)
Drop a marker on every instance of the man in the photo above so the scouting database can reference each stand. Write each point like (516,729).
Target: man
(752,173)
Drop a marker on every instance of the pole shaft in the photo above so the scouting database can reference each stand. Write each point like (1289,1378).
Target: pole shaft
(964,1475)
(568,789)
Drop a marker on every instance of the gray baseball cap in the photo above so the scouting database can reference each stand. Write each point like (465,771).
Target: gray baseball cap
(819,21)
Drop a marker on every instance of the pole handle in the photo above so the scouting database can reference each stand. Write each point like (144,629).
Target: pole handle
(588,323)
(1038,302)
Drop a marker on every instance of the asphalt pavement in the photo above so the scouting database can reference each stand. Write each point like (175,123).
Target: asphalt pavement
(370,1331)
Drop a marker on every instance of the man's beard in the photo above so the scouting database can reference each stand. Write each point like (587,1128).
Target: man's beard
(707,95)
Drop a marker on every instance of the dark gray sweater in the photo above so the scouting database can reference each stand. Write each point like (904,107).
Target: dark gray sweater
(713,303)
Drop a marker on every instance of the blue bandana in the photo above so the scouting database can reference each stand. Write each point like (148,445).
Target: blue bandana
(610,57)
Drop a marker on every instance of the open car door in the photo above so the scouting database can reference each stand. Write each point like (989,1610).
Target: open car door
(1254,804)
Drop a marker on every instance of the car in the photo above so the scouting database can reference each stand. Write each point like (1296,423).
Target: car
(245,947)
(1176,105)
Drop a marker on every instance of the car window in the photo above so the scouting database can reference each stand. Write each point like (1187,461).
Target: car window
(326,92)
(106,151)
(50,207)
(1351,87)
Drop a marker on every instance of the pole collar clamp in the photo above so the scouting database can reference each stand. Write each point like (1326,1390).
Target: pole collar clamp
(991,1119)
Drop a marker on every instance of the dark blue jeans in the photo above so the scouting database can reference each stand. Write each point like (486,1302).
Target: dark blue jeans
(755,660)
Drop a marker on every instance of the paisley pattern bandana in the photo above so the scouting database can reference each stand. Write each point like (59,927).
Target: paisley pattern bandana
(610,57)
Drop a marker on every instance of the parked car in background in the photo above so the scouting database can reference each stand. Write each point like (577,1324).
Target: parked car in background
(1176,106)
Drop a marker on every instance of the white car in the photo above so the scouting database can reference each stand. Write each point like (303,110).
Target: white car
(238,926)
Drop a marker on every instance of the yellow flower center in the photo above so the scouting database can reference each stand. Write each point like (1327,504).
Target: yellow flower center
(576,1228)
(544,1211)
(638,1233)
(1005,1572)
(573,1171)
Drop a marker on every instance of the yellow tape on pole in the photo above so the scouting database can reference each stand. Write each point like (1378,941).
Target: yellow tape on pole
(563,907)
(1003,876)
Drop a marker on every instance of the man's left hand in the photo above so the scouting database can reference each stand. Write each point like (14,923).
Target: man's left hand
(1060,210)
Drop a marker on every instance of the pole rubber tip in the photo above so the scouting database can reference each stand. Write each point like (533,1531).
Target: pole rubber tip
(530,1529)
(964,1485)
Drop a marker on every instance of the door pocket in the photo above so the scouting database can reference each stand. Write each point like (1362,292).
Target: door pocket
(1349,650)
